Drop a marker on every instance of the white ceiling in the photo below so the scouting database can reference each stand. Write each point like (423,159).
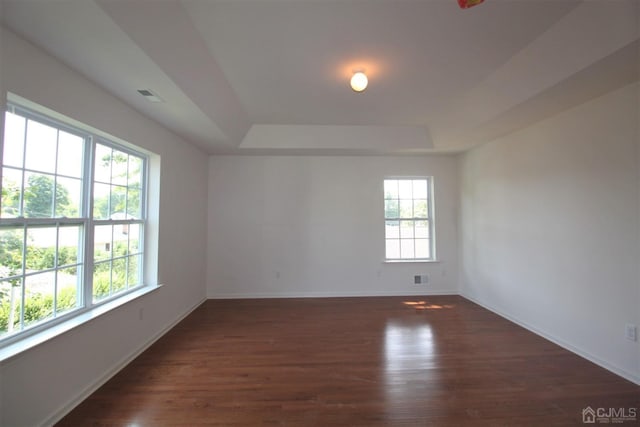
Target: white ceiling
(271,76)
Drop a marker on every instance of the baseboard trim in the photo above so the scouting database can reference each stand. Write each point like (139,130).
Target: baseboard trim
(578,351)
(117,367)
(269,295)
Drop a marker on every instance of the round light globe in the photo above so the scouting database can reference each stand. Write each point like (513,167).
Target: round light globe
(359,81)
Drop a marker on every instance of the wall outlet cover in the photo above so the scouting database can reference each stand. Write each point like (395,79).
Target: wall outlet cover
(631,332)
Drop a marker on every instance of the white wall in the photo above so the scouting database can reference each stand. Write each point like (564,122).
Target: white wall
(637,89)
(313,226)
(38,385)
(549,228)
(549,232)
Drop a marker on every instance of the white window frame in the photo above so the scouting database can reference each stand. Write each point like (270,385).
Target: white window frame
(87,308)
(430,219)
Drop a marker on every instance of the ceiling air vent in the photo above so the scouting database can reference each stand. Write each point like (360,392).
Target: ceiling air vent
(150,96)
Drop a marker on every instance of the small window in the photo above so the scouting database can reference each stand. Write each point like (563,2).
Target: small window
(408,208)
(72,221)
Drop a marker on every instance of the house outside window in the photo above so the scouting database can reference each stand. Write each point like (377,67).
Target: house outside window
(72,221)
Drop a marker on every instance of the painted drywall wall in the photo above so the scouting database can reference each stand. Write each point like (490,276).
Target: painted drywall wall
(637,136)
(549,228)
(38,385)
(313,226)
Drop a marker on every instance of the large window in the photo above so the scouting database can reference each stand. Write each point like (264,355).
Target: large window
(408,207)
(72,221)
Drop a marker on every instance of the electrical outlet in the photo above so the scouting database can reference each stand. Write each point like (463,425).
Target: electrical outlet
(141,314)
(631,332)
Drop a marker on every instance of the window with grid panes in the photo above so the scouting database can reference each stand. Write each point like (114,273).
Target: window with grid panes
(72,220)
(408,208)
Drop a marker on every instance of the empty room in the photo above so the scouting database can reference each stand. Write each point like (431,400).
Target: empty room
(319,212)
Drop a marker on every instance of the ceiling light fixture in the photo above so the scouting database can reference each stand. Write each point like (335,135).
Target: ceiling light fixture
(359,81)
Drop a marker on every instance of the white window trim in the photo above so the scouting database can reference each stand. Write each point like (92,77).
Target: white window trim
(62,325)
(36,335)
(432,222)
(410,261)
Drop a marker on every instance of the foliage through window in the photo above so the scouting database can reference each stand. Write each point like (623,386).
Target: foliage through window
(72,219)
(408,219)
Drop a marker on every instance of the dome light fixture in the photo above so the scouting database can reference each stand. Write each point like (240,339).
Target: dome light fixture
(359,81)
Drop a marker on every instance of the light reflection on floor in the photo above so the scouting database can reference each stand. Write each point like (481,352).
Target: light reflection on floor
(423,305)
(410,358)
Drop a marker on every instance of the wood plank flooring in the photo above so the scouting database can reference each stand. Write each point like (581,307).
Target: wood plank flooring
(392,361)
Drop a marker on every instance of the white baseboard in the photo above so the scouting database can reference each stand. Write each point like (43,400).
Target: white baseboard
(265,295)
(117,367)
(86,392)
(578,351)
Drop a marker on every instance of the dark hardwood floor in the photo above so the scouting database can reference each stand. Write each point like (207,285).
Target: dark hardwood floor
(397,361)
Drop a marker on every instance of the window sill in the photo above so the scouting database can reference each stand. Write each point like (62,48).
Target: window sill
(31,341)
(410,261)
